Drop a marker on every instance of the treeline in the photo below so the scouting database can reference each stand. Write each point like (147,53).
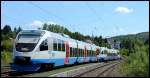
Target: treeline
(98,40)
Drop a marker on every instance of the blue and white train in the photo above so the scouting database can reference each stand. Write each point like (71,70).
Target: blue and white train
(35,50)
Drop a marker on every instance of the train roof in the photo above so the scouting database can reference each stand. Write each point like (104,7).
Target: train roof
(59,36)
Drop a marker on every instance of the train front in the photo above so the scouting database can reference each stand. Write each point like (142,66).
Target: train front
(23,49)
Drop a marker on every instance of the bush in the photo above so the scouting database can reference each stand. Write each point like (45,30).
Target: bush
(137,64)
(6,45)
(6,57)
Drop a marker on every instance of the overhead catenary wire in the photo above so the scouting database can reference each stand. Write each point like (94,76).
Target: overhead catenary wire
(95,12)
(45,11)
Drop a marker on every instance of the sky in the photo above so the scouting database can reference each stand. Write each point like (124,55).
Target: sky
(105,18)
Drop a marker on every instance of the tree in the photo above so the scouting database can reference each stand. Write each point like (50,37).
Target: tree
(19,29)
(45,27)
(7,29)
(7,32)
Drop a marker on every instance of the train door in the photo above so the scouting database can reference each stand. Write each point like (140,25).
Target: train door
(85,53)
(97,53)
(67,52)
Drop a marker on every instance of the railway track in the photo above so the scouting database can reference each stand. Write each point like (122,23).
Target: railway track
(99,71)
(7,72)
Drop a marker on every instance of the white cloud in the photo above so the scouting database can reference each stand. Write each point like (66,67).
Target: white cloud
(123,10)
(36,23)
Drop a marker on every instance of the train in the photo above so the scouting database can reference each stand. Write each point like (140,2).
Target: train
(35,50)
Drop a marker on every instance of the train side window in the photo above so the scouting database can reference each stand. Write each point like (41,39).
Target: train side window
(44,45)
(102,52)
(76,52)
(59,45)
(82,52)
(92,53)
(55,44)
(70,51)
(73,52)
(63,46)
(87,53)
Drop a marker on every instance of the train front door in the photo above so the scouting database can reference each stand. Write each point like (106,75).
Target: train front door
(67,52)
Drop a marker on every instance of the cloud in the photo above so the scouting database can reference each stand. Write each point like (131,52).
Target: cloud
(123,10)
(36,23)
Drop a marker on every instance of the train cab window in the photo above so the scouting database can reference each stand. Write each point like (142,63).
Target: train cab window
(44,45)
(55,44)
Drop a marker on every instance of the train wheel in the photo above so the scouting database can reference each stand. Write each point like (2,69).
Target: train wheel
(46,67)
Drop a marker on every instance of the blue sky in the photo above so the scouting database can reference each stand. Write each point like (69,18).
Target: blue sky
(106,18)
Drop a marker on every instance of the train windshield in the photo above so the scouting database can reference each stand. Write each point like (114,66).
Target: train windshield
(25,38)
(26,42)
